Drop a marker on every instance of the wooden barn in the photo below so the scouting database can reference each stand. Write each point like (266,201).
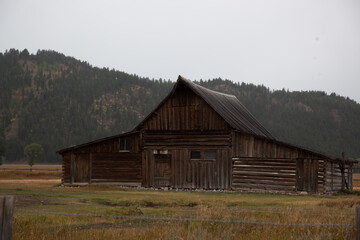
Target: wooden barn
(197,138)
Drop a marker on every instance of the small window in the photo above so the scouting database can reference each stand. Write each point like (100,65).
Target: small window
(195,155)
(209,156)
(124,144)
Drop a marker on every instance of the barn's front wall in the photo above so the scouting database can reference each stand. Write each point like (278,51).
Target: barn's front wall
(185,111)
(182,126)
(168,161)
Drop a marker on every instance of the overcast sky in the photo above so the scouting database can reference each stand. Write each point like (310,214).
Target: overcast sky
(291,44)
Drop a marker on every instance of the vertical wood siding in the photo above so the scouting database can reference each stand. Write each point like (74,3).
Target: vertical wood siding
(191,174)
(82,168)
(111,145)
(185,111)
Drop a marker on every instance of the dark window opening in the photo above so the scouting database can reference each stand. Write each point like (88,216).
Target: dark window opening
(203,155)
(195,155)
(209,156)
(125,144)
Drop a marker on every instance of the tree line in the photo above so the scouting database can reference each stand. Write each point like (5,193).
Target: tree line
(58,101)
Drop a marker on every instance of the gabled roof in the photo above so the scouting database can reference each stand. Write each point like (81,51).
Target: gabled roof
(227,106)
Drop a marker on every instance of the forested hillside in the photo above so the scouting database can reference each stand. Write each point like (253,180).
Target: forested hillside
(58,101)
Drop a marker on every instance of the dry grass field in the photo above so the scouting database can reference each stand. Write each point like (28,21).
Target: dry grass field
(40,167)
(44,195)
(23,171)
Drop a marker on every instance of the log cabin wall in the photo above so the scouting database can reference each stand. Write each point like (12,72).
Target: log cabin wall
(260,164)
(175,139)
(264,174)
(66,168)
(104,162)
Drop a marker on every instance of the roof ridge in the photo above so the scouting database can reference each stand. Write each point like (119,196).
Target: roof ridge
(206,89)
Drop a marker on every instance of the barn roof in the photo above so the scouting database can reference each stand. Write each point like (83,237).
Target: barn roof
(94,142)
(227,106)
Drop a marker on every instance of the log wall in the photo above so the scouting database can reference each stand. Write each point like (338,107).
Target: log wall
(267,165)
(264,174)
(116,167)
(66,168)
(176,139)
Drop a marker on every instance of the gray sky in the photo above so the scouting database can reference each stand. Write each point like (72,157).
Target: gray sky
(291,44)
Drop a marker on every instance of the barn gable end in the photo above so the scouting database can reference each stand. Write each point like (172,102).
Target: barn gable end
(183,110)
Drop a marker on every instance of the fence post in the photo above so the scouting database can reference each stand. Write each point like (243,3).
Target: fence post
(357,222)
(6,215)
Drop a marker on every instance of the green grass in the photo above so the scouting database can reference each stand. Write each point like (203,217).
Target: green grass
(47,196)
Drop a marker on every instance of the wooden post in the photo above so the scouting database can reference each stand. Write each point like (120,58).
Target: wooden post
(6,215)
(342,166)
(72,168)
(357,222)
(90,169)
(351,186)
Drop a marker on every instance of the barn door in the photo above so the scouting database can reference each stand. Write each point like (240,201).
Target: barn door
(162,170)
(306,175)
(82,168)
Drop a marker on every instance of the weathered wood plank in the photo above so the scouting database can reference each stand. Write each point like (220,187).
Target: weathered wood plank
(6,216)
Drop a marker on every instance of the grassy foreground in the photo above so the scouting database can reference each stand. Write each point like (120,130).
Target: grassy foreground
(44,194)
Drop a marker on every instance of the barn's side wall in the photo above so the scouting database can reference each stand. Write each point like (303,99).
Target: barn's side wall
(103,162)
(260,164)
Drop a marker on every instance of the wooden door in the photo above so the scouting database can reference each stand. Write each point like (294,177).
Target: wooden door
(162,170)
(306,175)
(82,168)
